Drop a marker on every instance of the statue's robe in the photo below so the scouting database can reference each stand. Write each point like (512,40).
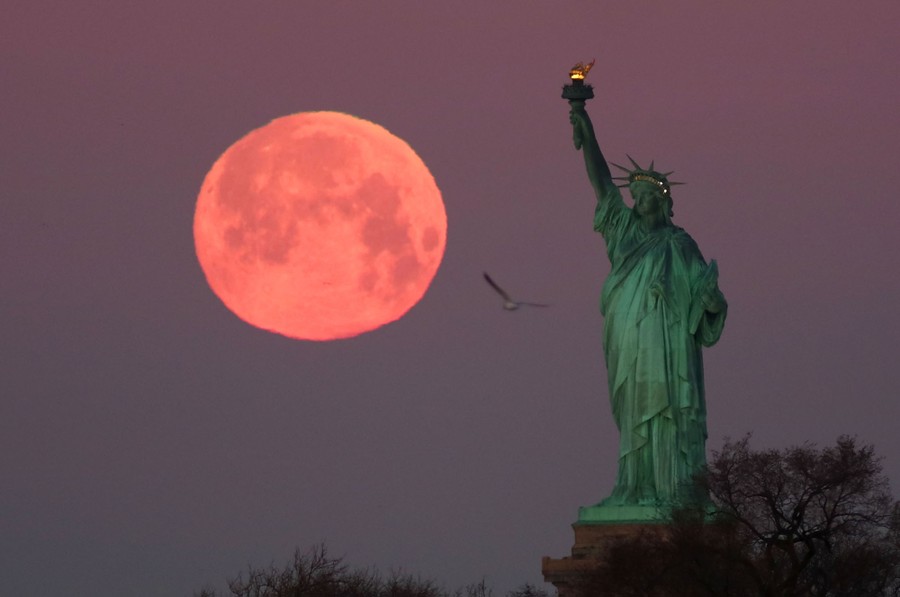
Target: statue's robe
(654,327)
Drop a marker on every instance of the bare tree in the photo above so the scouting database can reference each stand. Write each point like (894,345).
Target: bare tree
(816,522)
(313,573)
(316,574)
(527,590)
(478,589)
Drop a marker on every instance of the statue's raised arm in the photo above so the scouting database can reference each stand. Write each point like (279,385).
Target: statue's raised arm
(585,140)
(583,131)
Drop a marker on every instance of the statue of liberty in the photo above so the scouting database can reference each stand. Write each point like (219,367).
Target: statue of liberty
(661,304)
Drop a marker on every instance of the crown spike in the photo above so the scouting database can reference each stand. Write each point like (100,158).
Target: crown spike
(644,174)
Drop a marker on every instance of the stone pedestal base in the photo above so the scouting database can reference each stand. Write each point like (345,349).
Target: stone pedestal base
(592,540)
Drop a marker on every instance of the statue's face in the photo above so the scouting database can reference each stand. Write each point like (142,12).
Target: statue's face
(648,198)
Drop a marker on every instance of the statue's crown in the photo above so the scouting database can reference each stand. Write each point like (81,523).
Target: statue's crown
(660,179)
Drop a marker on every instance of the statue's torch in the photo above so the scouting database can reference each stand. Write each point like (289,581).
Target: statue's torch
(577,92)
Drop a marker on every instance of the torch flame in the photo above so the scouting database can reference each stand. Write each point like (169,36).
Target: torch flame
(580,70)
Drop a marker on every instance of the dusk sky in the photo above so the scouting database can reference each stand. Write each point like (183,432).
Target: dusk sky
(152,443)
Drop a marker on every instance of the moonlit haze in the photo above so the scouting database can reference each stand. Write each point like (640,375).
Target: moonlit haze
(153,443)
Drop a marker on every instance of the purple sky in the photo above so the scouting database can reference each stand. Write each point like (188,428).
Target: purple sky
(151,442)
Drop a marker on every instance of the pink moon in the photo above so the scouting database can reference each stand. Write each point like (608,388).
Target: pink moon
(319,226)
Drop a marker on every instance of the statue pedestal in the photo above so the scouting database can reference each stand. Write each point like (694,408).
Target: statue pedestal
(592,541)
(622,514)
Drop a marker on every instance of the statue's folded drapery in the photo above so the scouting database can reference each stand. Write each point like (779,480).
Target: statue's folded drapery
(655,323)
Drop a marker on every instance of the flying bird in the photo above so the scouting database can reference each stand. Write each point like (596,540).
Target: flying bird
(508,303)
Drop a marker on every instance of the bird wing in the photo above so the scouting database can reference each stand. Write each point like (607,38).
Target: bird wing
(497,288)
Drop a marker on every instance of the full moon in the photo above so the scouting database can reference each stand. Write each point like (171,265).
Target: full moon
(319,226)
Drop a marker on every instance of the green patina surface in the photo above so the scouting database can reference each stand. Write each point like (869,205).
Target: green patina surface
(661,304)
